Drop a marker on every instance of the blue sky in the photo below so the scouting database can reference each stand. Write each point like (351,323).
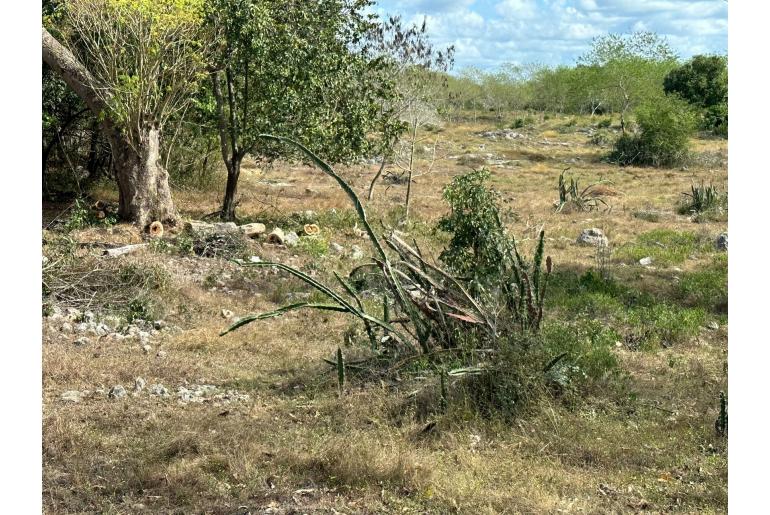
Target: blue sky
(488,33)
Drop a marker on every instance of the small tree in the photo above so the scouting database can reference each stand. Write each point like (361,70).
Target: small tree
(299,69)
(134,63)
(416,67)
(631,68)
(665,125)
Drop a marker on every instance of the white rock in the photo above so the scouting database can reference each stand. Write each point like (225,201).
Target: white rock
(276,237)
(146,349)
(117,392)
(336,248)
(255,259)
(81,342)
(252,230)
(226,313)
(721,242)
(291,239)
(356,252)
(139,384)
(82,328)
(225,228)
(159,390)
(594,237)
(645,261)
(66,327)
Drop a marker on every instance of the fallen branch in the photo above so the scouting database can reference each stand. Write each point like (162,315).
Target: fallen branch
(120,251)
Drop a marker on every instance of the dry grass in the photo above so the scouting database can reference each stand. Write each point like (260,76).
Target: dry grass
(646,443)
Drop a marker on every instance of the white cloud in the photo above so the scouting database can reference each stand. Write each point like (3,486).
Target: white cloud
(488,33)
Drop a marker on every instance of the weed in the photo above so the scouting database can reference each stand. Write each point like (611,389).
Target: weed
(664,325)
(706,288)
(314,246)
(571,197)
(703,199)
(82,215)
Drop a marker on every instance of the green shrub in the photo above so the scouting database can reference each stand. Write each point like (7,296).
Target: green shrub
(82,215)
(715,120)
(665,125)
(572,198)
(703,199)
(314,246)
(478,243)
(606,123)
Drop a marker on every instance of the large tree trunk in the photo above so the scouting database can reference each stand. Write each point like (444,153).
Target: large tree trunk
(145,195)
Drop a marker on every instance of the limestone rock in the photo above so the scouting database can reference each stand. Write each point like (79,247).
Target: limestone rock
(593,237)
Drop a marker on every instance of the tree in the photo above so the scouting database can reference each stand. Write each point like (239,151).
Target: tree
(295,69)
(631,68)
(134,63)
(702,82)
(665,125)
(418,71)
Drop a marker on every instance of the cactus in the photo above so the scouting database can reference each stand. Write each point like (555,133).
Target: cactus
(721,423)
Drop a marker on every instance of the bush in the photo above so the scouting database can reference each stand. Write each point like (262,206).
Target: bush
(477,245)
(715,120)
(703,199)
(665,125)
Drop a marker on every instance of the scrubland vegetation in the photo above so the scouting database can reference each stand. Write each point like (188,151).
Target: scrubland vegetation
(445,293)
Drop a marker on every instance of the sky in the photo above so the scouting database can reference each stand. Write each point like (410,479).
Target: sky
(488,33)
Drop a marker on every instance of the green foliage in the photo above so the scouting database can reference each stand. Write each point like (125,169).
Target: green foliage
(664,325)
(665,126)
(702,199)
(587,346)
(314,246)
(715,119)
(572,198)
(81,216)
(664,246)
(478,242)
(297,69)
(146,55)
(702,82)
(705,288)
